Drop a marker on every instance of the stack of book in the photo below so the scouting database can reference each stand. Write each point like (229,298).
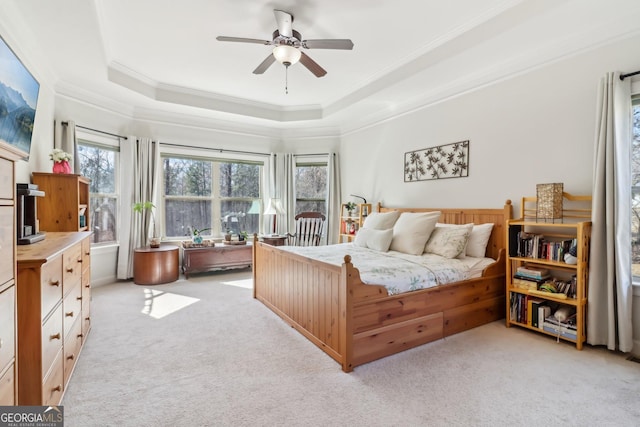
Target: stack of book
(530,277)
(563,329)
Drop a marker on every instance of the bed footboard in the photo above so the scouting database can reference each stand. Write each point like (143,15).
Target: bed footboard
(308,295)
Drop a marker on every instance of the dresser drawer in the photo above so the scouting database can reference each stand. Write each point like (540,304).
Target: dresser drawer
(72,345)
(71,267)
(72,307)
(86,255)
(51,284)
(51,338)
(7,240)
(86,306)
(7,387)
(7,327)
(53,386)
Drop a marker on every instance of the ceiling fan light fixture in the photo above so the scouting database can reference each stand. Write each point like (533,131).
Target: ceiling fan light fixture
(286,55)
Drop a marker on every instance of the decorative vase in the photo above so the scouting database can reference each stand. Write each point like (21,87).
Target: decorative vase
(197,239)
(61,167)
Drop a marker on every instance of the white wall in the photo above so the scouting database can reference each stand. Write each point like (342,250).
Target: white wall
(534,128)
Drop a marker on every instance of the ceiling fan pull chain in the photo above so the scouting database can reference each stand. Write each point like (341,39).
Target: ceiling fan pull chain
(286,80)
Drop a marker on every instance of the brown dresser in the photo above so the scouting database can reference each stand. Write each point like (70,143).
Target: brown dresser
(8,235)
(53,309)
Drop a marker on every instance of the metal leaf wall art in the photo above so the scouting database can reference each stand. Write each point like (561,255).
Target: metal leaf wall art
(443,161)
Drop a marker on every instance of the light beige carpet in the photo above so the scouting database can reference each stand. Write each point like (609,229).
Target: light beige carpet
(202,352)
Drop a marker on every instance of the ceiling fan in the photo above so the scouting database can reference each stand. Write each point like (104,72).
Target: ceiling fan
(288,42)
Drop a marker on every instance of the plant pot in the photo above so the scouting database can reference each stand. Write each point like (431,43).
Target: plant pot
(197,239)
(227,237)
(154,242)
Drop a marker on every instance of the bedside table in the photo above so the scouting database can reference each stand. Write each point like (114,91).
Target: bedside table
(274,240)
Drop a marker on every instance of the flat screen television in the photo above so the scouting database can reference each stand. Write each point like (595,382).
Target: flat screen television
(18,99)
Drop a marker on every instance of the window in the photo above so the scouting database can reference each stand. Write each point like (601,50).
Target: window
(99,162)
(635,191)
(210,194)
(311,187)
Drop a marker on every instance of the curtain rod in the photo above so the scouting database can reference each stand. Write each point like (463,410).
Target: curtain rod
(96,130)
(220,150)
(624,76)
(312,155)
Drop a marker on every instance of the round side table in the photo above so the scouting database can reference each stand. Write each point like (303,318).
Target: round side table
(155,266)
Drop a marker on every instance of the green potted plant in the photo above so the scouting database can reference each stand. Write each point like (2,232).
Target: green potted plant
(243,235)
(197,235)
(350,207)
(141,207)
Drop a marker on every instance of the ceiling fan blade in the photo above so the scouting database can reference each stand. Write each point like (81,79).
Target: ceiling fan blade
(265,64)
(312,65)
(285,21)
(242,40)
(345,44)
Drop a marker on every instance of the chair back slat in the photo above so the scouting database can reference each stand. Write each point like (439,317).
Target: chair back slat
(309,229)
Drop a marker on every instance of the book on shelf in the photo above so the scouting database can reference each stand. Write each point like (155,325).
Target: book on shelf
(544,311)
(534,272)
(532,310)
(563,329)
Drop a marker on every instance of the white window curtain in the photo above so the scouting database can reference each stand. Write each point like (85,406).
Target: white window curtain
(282,186)
(610,281)
(140,174)
(334,197)
(64,138)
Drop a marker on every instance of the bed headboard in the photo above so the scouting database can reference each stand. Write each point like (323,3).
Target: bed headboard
(498,217)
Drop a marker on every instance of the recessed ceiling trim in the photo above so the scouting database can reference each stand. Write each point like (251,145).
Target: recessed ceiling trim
(124,76)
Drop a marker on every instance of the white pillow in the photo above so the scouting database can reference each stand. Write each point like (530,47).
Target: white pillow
(412,230)
(469,225)
(449,242)
(477,244)
(378,240)
(381,220)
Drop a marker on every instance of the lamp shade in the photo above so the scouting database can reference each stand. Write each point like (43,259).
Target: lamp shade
(286,55)
(254,208)
(274,207)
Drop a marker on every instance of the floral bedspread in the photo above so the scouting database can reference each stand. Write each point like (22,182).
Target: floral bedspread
(396,271)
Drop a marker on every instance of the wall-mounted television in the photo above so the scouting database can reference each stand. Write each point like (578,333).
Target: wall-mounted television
(18,99)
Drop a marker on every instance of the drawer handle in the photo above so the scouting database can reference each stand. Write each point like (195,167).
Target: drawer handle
(69,314)
(79,298)
(87,285)
(56,283)
(87,253)
(57,388)
(70,357)
(80,260)
(54,336)
(80,335)
(70,270)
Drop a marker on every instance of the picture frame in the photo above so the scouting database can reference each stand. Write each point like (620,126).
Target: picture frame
(19,92)
(439,162)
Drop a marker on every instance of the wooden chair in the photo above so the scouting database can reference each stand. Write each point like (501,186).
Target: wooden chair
(309,228)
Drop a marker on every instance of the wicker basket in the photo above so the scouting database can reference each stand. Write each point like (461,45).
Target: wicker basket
(549,201)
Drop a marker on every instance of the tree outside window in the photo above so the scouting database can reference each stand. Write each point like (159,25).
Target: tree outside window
(635,191)
(210,194)
(100,164)
(311,187)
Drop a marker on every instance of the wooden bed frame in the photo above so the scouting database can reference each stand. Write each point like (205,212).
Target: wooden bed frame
(356,323)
